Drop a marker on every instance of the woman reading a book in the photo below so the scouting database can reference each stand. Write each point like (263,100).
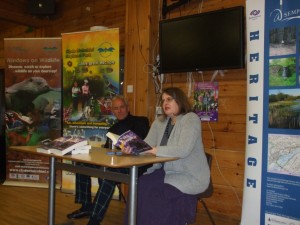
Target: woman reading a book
(167,193)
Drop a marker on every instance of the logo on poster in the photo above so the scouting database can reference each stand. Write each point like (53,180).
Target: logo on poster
(279,16)
(106,49)
(254,14)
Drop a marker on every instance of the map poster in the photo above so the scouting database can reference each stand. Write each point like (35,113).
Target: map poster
(272,170)
(32,103)
(206,100)
(91,77)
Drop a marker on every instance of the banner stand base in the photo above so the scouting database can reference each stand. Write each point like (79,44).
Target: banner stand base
(27,184)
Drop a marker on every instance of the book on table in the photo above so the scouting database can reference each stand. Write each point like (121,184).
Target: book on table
(61,145)
(81,150)
(129,139)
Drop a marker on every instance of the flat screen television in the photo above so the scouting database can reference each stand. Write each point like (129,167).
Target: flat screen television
(206,41)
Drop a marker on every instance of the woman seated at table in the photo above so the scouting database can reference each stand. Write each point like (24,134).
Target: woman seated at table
(167,193)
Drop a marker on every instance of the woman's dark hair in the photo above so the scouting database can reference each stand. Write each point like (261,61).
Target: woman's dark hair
(181,99)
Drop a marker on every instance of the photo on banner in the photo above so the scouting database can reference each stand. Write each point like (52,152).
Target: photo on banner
(33,104)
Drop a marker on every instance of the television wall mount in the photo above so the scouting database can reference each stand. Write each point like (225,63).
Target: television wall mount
(167,8)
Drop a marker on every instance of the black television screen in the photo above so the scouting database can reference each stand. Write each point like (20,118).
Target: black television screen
(205,41)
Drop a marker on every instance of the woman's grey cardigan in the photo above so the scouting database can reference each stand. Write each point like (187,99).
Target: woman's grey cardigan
(190,173)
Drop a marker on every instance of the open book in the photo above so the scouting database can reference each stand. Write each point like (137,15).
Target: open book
(62,145)
(129,139)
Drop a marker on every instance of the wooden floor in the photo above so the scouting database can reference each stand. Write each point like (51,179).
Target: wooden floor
(28,206)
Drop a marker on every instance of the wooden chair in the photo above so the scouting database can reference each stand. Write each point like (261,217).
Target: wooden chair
(208,192)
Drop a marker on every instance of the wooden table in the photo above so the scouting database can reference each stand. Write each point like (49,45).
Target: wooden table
(100,157)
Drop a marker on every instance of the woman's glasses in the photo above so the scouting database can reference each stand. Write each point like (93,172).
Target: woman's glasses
(167,100)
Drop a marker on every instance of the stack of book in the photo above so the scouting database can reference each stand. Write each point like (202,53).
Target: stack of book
(64,145)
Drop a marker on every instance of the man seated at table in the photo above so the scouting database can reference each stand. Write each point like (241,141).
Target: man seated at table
(96,209)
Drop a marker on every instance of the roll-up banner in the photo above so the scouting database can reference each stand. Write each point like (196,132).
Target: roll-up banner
(272,163)
(91,78)
(32,105)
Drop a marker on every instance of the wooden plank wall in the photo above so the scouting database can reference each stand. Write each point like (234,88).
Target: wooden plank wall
(138,23)
(137,47)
